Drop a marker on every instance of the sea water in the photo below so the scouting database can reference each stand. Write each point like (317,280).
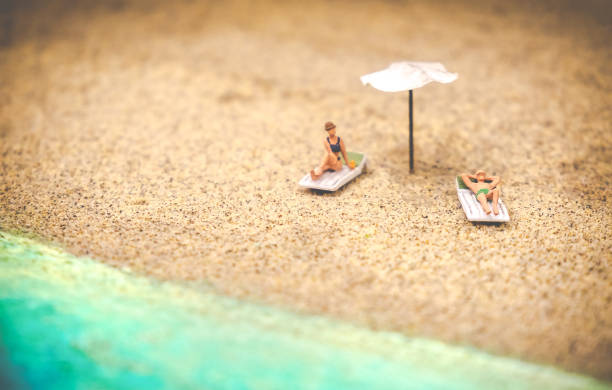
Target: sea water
(74,323)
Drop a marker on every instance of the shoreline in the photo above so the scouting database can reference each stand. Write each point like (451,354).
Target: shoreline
(151,319)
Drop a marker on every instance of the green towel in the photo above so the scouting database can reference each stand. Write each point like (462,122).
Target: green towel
(353,156)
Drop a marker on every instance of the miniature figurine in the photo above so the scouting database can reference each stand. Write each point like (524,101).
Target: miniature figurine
(485,188)
(334,145)
(334,171)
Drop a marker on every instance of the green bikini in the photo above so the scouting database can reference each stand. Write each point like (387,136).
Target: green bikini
(482,190)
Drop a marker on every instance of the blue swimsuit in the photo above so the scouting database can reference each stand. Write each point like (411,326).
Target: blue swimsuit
(335,147)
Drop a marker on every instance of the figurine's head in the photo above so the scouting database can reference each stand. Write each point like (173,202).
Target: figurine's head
(480,175)
(330,128)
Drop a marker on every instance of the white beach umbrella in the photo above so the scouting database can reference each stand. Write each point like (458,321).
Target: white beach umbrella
(406,76)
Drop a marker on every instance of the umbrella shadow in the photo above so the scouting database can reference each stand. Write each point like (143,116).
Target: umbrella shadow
(427,166)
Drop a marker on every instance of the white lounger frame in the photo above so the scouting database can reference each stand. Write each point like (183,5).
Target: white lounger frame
(331,181)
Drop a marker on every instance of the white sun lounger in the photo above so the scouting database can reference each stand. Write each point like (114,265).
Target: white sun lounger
(473,209)
(331,181)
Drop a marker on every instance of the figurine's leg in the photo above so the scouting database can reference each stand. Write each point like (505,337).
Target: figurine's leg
(494,198)
(337,165)
(333,163)
(313,175)
(318,171)
(482,198)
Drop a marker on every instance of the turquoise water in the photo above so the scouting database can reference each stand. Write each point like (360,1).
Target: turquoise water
(74,323)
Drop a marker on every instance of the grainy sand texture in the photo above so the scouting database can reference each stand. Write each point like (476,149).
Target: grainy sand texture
(169,138)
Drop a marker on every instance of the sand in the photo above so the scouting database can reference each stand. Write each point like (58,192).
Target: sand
(169,139)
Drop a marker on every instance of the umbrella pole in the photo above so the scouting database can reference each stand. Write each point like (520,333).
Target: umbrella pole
(410,137)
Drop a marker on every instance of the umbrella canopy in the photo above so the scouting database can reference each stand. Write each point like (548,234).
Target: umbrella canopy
(406,76)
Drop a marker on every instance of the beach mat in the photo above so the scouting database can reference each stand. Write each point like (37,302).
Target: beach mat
(333,180)
(472,208)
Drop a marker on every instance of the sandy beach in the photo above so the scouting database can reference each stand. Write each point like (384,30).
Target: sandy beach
(169,139)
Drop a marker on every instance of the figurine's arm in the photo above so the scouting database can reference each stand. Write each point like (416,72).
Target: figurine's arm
(327,147)
(343,150)
(494,181)
(466,179)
